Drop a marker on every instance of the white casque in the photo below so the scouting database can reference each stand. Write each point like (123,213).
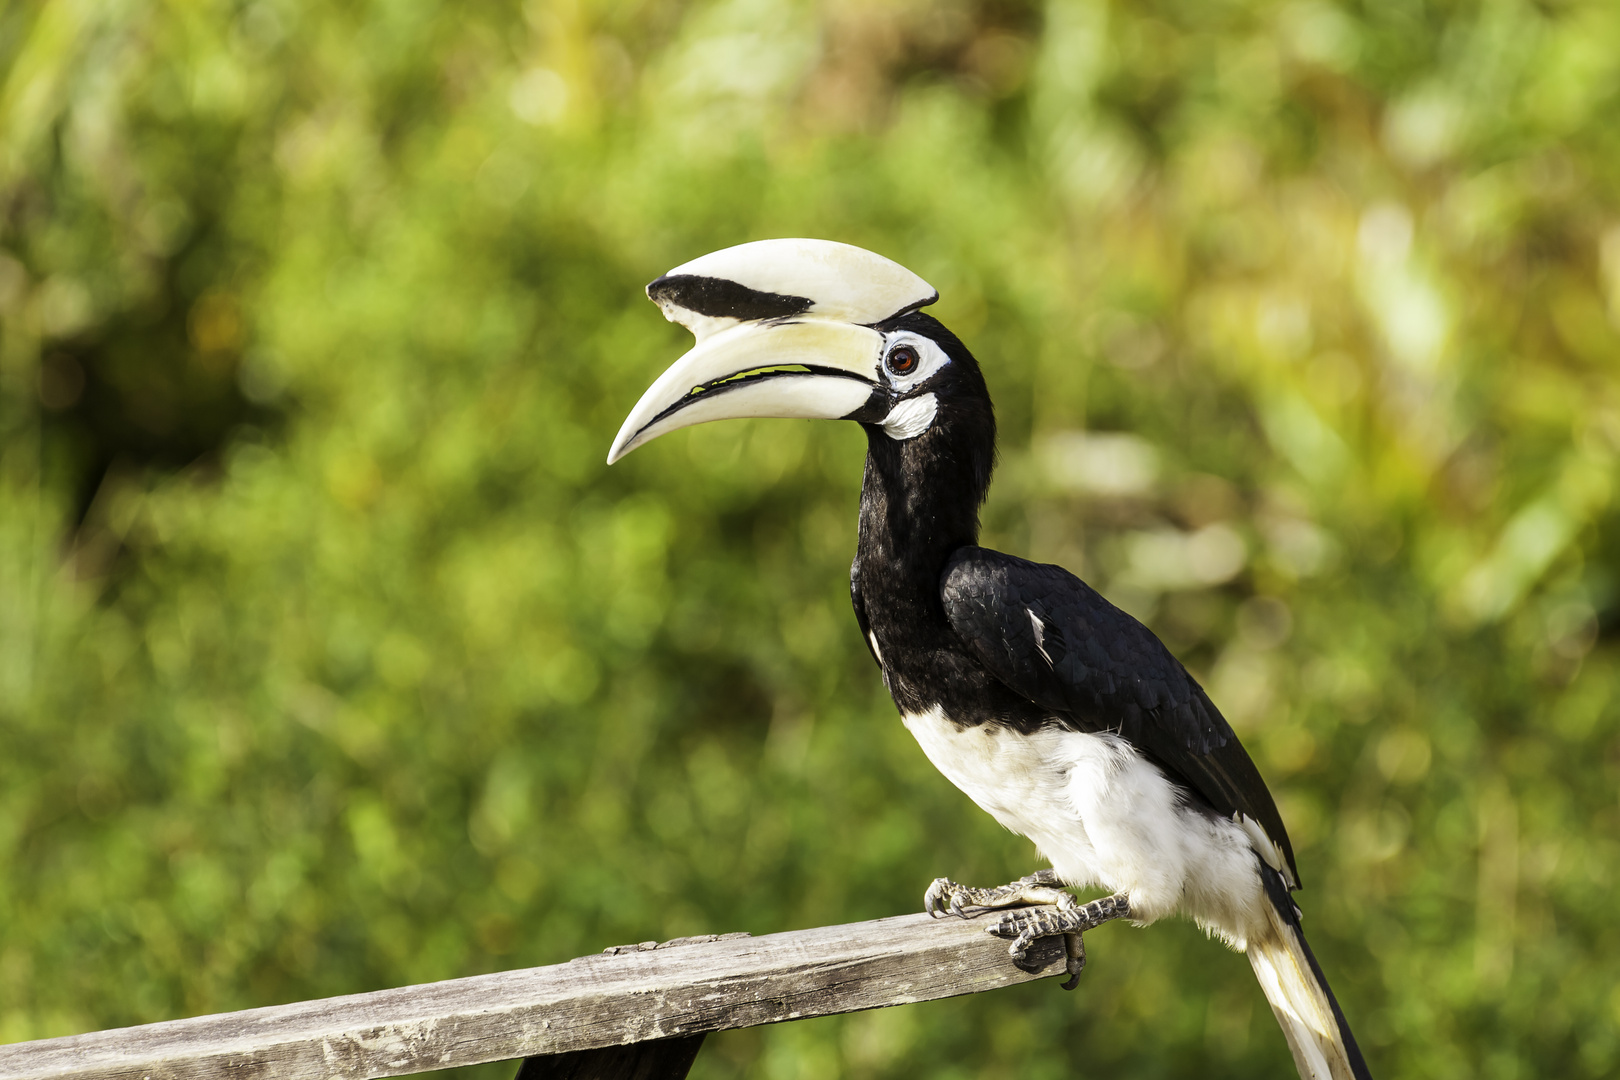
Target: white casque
(736,367)
(843,282)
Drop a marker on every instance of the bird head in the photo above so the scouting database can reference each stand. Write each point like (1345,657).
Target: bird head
(809,329)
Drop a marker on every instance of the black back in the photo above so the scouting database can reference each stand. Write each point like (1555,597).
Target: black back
(1052,638)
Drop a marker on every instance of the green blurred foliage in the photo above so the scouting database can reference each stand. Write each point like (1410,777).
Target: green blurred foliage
(332,658)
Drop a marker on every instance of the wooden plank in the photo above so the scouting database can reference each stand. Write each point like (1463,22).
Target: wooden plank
(627,995)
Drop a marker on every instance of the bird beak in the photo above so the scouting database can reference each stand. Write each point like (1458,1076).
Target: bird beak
(814,369)
(784,328)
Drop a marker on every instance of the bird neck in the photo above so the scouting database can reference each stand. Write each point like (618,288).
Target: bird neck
(919,503)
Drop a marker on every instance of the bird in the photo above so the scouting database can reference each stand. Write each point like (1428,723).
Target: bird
(1056,712)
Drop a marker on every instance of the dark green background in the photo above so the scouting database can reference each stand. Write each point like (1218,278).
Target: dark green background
(332,657)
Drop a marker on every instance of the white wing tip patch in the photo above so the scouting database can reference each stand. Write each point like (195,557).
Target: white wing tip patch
(1040,635)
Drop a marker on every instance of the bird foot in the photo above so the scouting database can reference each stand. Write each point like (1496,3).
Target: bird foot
(945,896)
(1024,927)
(1054,907)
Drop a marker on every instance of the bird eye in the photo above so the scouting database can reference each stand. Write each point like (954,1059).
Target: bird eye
(902,360)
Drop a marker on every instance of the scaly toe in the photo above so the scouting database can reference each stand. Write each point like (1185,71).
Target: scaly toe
(1075,963)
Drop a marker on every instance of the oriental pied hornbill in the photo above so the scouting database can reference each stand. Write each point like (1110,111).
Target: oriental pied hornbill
(1058,713)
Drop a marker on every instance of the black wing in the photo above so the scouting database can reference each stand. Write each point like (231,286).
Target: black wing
(1052,638)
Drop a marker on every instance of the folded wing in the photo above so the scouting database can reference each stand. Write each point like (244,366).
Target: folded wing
(1052,638)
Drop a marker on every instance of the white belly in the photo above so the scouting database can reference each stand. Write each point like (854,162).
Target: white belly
(1103,815)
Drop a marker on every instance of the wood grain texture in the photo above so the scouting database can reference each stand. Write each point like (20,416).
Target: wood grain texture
(629,995)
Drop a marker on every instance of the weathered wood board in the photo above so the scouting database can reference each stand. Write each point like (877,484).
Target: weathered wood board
(625,996)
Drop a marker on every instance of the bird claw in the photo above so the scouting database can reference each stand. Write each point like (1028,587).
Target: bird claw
(942,890)
(1075,963)
(946,897)
(1054,912)
(1025,926)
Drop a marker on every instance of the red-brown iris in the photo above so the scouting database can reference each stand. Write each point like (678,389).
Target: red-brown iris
(902,360)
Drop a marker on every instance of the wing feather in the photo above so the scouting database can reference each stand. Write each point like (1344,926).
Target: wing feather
(1052,638)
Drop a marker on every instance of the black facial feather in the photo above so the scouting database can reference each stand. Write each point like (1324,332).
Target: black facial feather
(958,452)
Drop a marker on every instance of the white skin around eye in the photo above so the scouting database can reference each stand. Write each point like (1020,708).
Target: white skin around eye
(911,416)
(930,358)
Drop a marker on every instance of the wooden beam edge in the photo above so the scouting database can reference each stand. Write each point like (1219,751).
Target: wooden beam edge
(593,1001)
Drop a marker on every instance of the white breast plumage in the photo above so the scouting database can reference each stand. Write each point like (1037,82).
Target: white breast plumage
(1103,815)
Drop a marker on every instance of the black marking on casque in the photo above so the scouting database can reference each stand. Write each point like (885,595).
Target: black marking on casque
(723,298)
